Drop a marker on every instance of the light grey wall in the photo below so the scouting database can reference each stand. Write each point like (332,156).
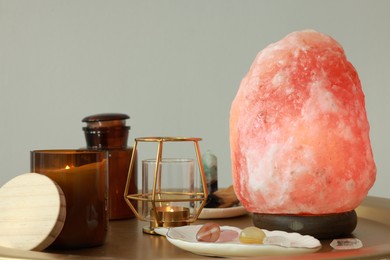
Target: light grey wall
(174,66)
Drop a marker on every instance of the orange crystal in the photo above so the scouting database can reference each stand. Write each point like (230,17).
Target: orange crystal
(299,133)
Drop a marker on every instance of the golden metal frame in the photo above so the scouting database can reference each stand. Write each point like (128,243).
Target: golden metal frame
(153,198)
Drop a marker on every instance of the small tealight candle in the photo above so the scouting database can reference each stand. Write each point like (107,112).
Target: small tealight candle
(171,216)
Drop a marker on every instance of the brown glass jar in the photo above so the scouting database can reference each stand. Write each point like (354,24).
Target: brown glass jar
(82,176)
(109,132)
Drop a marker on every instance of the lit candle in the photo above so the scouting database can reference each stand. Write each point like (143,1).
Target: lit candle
(170,216)
(83,182)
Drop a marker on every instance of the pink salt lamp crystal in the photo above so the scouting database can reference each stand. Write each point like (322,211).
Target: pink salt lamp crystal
(299,132)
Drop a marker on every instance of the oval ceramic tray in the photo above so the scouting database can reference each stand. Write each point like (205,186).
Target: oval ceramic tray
(185,238)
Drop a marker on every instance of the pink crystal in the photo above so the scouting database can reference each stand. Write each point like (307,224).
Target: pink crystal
(209,232)
(227,235)
(299,132)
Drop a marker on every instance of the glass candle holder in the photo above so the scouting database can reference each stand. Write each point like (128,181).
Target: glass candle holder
(173,191)
(82,175)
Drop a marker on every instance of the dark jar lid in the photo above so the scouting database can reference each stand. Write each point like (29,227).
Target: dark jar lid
(105,120)
(106,131)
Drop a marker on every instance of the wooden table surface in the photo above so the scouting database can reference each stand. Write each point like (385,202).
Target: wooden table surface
(127,241)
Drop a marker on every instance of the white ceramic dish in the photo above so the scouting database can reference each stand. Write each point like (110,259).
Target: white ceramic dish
(185,238)
(212,213)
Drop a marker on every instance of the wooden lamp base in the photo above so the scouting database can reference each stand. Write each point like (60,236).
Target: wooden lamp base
(326,226)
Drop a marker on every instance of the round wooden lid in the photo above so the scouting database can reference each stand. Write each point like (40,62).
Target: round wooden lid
(32,212)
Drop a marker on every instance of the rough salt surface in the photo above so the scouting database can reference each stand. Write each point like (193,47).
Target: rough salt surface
(299,133)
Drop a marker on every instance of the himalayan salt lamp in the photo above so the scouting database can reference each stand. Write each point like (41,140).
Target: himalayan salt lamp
(299,133)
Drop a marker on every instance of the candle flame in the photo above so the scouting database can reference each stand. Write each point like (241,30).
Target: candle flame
(67,167)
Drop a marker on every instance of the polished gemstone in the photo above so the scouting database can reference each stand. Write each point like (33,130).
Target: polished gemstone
(227,236)
(209,232)
(252,235)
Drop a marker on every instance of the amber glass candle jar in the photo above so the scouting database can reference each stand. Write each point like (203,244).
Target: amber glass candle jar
(108,132)
(82,176)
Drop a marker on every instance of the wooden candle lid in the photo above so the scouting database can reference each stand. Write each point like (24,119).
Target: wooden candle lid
(32,212)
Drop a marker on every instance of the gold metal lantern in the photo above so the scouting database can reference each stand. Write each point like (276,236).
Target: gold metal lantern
(174,190)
